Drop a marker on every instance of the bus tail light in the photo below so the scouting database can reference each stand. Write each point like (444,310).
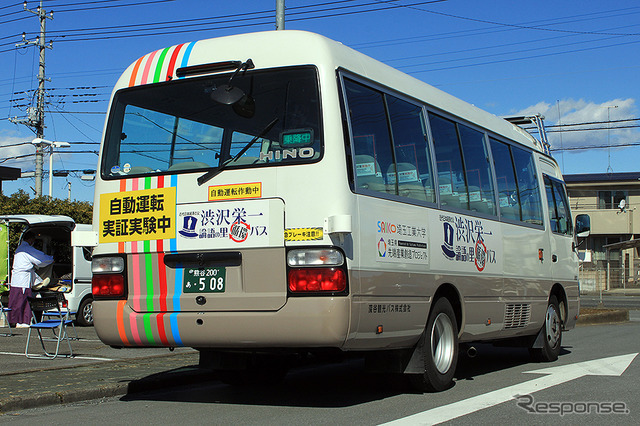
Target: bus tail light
(108,285)
(314,280)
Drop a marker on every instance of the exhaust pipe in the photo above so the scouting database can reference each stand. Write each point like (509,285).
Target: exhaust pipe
(472,352)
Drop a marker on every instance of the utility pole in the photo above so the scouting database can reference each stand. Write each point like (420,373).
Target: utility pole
(279,14)
(35,119)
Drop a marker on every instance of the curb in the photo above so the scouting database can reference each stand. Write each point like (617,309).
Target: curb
(179,377)
(591,316)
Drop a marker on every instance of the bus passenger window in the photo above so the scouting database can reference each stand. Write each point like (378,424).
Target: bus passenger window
(508,199)
(451,177)
(370,136)
(477,169)
(528,188)
(413,173)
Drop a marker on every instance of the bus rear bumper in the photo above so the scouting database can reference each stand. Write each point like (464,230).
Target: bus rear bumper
(301,322)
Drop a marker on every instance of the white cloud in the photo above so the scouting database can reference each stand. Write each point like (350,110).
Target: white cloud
(580,111)
(12,146)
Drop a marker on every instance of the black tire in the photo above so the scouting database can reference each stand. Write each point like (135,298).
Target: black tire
(440,348)
(552,333)
(84,316)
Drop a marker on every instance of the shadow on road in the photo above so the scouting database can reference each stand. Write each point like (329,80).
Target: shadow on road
(322,386)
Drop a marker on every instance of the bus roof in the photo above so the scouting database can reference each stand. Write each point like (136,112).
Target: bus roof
(272,49)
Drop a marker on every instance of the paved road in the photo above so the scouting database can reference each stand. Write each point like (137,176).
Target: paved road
(344,394)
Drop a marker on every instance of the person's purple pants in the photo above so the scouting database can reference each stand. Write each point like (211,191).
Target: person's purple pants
(20,311)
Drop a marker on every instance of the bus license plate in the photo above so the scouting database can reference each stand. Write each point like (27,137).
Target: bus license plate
(204,280)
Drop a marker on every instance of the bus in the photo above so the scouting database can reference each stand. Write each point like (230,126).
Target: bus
(269,197)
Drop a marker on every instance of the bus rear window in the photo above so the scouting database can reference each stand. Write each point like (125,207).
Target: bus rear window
(181,126)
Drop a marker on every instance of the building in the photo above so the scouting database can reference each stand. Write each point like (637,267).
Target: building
(611,253)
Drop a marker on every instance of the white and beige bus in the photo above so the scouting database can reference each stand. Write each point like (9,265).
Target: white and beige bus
(276,194)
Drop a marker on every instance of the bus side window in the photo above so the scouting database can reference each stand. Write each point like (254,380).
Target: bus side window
(477,170)
(451,177)
(413,172)
(508,198)
(559,218)
(370,136)
(528,188)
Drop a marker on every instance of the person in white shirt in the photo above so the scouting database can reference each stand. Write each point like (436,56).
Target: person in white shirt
(23,276)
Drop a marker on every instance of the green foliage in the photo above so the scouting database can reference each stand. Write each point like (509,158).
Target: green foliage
(20,203)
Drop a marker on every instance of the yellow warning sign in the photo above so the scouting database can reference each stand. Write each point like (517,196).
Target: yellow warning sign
(303,234)
(148,214)
(236,191)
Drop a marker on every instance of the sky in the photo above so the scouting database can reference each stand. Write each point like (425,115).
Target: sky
(575,62)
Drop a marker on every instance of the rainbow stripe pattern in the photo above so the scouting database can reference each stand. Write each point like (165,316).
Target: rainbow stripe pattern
(160,65)
(149,316)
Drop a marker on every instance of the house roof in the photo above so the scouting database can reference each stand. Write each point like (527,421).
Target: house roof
(602,177)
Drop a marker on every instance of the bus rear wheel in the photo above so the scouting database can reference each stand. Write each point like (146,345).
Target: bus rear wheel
(551,333)
(440,348)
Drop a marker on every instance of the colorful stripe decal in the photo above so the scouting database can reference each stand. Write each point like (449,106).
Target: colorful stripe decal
(163,55)
(153,320)
(134,73)
(173,60)
(187,54)
(153,64)
(173,318)
(120,321)
(147,68)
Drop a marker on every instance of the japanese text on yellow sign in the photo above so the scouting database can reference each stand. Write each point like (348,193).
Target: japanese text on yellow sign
(148,214)
(236,191)
(303,234)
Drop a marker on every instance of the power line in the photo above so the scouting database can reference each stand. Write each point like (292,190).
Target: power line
(578,148)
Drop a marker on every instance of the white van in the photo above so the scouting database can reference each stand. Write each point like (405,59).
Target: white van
(53,237)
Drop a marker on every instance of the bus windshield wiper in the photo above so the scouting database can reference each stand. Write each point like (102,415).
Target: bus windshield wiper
(215,171)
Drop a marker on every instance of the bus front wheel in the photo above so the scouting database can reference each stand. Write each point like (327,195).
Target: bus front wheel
(551,333)
(440,348)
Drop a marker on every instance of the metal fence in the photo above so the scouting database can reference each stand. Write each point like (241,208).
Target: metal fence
(600,277)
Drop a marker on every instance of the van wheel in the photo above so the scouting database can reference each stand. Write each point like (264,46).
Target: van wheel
(440,348)
(552,333)
(84,317)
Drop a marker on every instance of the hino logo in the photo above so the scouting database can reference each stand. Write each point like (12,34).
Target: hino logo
(287,153)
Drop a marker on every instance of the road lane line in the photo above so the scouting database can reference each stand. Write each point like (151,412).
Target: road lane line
(612,366)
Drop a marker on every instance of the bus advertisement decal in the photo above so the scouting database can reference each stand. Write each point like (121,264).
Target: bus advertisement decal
(469,241)
(401,242)
(142,215)
(256,223)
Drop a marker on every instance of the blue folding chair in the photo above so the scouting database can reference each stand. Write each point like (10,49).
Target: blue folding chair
(58,325)
(55,313)
(5,311)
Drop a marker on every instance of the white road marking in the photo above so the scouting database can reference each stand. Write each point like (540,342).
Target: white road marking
(612,366)
(74,357)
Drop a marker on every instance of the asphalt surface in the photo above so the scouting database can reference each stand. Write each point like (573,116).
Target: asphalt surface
(97,371)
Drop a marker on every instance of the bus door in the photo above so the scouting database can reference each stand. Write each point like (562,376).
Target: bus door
(563,260)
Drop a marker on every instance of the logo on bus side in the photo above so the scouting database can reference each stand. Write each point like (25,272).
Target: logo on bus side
(223,223)
(400,242)
(464,241)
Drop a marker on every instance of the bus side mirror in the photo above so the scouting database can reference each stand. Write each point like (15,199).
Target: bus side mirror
(583,225)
